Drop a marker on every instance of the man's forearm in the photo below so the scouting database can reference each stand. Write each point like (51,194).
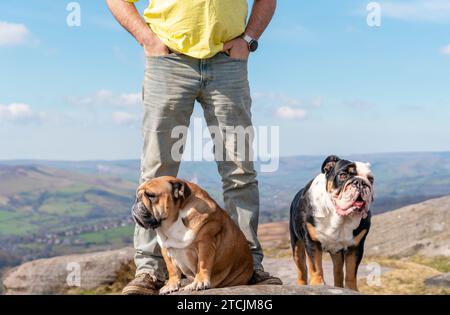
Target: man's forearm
(262,13)
(128,16)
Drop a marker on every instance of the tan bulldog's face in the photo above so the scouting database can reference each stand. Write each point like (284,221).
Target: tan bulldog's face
(159,200)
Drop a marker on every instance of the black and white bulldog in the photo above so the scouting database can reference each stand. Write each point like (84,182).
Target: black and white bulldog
(332,214)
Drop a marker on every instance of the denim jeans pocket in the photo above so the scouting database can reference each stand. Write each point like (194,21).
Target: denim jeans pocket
(233,59)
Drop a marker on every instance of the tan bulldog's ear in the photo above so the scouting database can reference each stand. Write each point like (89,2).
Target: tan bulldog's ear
(180,189)
(141,187)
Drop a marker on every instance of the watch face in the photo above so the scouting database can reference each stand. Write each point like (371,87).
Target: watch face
(253,45)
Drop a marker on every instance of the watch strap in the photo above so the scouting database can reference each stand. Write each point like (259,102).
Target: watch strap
(248,38)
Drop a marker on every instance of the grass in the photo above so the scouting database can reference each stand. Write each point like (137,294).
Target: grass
(8,215)
(75,188)
(32,246)
(406,278)
(16,228)
(440,263)
(15,224)
(111,236)
(62,207)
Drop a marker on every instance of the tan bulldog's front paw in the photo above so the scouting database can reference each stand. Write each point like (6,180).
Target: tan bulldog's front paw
(318,280)
(170,287)
(198,285)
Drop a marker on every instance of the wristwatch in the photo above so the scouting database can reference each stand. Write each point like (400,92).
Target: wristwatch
(252,43)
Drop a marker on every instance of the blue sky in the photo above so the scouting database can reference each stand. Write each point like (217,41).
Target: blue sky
(332,83)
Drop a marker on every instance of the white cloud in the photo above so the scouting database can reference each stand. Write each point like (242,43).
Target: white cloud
(287,107)
(108,98)
(123,118)
(286,100)
(279,97)
(13,34)
(15,112)
(287,112)
(446,50)
(317,101)
(18,113)
(417,10)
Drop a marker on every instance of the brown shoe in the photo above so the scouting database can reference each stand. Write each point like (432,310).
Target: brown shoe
(143,284)
(261,277)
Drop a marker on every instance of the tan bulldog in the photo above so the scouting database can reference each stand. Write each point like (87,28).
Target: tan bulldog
(197,237)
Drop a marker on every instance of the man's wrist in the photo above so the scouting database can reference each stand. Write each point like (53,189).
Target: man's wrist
(147,39)
(252,43)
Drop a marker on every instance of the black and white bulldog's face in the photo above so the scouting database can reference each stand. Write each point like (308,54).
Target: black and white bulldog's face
(350,185)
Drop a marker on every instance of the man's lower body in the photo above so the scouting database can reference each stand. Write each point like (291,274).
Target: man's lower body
(172,85)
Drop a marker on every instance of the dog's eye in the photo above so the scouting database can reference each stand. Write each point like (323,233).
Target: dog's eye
(343,176)
(152,197)
(371,179)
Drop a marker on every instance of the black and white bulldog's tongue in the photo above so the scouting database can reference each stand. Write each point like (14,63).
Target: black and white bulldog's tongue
(359,203)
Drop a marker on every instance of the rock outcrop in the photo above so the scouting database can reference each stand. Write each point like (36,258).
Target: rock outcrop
(58,275)
(439,281)
(420,229)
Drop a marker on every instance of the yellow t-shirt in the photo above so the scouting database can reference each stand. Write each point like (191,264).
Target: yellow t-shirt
(197,28)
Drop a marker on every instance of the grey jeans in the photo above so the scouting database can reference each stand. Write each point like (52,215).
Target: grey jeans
(172,84)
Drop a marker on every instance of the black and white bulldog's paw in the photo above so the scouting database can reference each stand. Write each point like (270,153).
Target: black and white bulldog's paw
(198,285)
(170,287)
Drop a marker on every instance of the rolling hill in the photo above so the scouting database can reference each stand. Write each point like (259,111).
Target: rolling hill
(419,229)
(43,209)
(401,178)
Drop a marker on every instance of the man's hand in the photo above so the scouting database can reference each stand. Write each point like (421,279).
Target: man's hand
(262,13)
(154,47)
(128,16)
(237,49)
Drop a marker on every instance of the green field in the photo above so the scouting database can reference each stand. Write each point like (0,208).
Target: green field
(114,236)
(8,215)
(16,228)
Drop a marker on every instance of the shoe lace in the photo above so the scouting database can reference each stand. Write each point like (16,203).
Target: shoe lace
(147,277)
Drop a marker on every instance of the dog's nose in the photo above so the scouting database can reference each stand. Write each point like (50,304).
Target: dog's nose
(153,223)
(143,217)
(358,183)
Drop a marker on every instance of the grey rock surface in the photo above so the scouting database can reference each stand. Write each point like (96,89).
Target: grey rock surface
(59,274)
(53,275)
(285,269)
(420,229)
(442,280)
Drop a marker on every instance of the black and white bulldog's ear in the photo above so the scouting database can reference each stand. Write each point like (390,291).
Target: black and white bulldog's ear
(180,189)
(329,163)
